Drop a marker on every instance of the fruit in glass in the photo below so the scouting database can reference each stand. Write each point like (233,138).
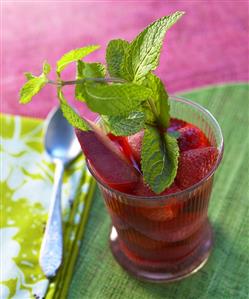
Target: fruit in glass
(163,237)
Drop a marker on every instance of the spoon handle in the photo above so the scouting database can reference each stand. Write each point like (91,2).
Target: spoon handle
(52,243)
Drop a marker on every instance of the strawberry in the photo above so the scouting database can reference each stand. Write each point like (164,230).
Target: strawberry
(160,251)
(135,142)
(142,189)
(122,144)
(131,236)
(107,160)
(194,165)
(176,124)
(160,213)
(191,137)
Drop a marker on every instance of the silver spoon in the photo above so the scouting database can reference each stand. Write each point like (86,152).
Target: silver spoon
(62,147)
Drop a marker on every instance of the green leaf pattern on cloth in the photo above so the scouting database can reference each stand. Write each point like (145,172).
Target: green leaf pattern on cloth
(25,184)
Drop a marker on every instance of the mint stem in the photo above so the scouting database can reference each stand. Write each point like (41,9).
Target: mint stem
(73,82)
(156,114)
(53,82)
(153,108)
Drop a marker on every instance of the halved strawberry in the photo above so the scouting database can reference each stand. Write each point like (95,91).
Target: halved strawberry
(107,160)
(135,142)
(191,137)
(123,145)
(194,165)
(117,140)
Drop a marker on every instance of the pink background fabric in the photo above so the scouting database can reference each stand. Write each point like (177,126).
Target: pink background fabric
(208,45)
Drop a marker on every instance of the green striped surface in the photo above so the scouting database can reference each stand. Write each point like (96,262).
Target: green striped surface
(226,275)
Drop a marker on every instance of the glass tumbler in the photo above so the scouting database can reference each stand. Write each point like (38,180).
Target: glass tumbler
(165,238)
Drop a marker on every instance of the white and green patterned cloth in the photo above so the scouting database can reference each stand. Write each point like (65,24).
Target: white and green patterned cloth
(26,181)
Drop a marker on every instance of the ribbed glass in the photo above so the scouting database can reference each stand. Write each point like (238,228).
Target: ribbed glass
(165,238)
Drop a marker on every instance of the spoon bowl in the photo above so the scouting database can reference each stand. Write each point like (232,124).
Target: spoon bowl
(60,140)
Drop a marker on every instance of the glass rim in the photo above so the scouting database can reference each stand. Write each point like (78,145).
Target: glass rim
(182,192)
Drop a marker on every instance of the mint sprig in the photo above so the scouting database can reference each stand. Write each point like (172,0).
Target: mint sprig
(126,93)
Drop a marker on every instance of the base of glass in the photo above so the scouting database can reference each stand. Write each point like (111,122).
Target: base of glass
(188,266)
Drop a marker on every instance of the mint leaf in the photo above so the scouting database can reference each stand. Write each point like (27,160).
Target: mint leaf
(159,159)
(74,55)
(125,125)
(115,57)
(29,76)
(144,51)
(46,68)
(72,117)
(87,70)
(34,84)
(159,97)
(31,88)
(114,99)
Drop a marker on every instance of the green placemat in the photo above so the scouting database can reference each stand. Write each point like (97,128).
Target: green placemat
(226,275)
